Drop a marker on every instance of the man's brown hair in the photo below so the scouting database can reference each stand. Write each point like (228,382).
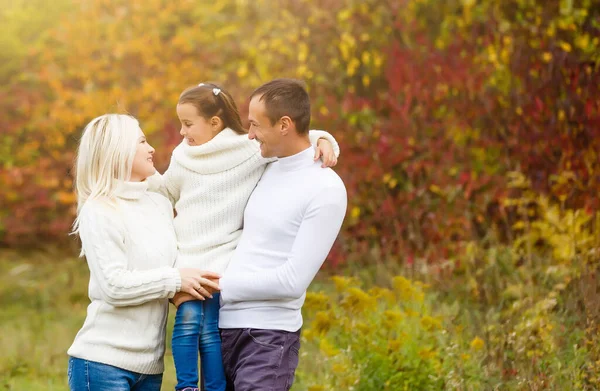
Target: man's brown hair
(286,97)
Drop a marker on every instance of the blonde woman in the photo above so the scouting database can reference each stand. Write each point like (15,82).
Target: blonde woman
(129,242)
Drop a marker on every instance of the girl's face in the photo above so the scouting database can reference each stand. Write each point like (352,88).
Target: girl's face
(143,164)
(195,128)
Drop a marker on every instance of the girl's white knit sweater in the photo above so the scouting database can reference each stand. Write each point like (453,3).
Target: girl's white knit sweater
(130,249)
(210,185)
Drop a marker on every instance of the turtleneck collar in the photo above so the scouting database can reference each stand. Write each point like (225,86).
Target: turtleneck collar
(131,190)
(225,151)
(298,161)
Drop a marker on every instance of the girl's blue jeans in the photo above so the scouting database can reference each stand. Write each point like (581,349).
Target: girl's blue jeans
(196,331)
(84,375)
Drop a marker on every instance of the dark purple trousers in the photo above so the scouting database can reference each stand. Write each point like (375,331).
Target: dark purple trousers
(257,359)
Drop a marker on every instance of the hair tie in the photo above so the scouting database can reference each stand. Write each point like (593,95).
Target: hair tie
(216,91)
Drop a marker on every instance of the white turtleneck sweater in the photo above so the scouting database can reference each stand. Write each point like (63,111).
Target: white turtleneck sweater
(291,221)
(130,248)
(209,185)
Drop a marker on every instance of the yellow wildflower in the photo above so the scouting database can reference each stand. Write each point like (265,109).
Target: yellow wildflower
(339,368)
(406,290)
(477,343)
(383,293)
(430,323)
(358,300)
(391,318)
(322,323)
(327,348)
(394,345)
(316,301)
(342,283)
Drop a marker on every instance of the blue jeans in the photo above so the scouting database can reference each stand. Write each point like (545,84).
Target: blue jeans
(87,375)
(197,330)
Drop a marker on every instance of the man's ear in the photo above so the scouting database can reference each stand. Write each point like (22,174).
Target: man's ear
(286,125)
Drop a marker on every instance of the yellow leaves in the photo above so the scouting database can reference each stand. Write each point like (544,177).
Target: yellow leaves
(547,57)
(582,41)
(344,15)
(302,52)
(352,66)
(66,197)
(565,46)
(390,181)
(242,70)
(435,189)
(477,344)
(492,54)
(366,57)
(355,212)
(366,80)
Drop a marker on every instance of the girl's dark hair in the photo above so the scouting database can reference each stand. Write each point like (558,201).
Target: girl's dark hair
(211,100)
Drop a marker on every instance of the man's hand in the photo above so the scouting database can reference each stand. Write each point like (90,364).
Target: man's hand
(325,151)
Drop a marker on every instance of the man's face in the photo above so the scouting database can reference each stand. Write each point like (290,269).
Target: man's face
(269,136)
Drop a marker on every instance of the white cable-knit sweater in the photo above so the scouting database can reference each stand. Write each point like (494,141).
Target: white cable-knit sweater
(130,249)
(210,185)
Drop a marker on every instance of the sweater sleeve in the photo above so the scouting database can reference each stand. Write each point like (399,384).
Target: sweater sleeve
(167,184)
(103,240)
(318,230)
(315,135)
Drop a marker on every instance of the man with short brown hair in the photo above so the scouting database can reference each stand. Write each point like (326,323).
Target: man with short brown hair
(291,221)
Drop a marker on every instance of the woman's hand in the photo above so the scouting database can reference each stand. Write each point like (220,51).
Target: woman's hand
(324,151)
(199,284)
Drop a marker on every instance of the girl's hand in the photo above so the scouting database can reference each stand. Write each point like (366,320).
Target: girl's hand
(324,151)
(181,298)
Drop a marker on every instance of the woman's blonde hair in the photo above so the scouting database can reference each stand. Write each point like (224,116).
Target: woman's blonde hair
(104,158)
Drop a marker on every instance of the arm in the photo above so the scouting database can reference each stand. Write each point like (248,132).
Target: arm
(102,237)
(317,232)
(166,184)
(316,135)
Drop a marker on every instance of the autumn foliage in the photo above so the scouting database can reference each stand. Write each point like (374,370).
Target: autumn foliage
(433,104)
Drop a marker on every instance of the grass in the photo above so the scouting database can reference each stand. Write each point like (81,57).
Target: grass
(43,301)
(532,341)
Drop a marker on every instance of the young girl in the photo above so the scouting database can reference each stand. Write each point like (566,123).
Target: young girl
(209,180)
(128,240)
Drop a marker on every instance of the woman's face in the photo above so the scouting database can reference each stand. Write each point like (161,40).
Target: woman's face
(143,164)
(195,128)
